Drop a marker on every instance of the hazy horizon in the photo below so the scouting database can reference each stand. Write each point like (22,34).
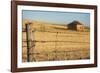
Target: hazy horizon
(56,17)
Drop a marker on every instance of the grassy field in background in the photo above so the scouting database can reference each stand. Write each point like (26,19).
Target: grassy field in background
(52,42)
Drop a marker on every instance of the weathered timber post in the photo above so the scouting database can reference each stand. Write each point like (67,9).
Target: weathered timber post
(28,41)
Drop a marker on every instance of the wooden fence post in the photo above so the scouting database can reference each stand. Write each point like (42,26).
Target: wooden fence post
(28,41)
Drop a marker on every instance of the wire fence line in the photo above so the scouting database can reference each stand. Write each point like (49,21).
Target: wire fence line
(41,30)
(54,55)
(59,55)
(34,41)
(73,32)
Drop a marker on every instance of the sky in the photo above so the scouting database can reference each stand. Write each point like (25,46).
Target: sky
(56,16)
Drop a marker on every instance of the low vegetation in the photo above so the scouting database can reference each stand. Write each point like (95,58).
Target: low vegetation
(50,42)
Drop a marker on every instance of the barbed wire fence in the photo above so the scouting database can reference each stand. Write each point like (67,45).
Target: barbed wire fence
(54,55)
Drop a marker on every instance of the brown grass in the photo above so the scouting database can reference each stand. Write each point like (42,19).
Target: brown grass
(50,43)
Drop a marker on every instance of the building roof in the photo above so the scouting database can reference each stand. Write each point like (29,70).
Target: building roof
(75,23)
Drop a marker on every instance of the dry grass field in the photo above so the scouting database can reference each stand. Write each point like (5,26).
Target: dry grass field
(52,42)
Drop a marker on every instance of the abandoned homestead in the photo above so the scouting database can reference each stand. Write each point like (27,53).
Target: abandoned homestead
(75,25)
